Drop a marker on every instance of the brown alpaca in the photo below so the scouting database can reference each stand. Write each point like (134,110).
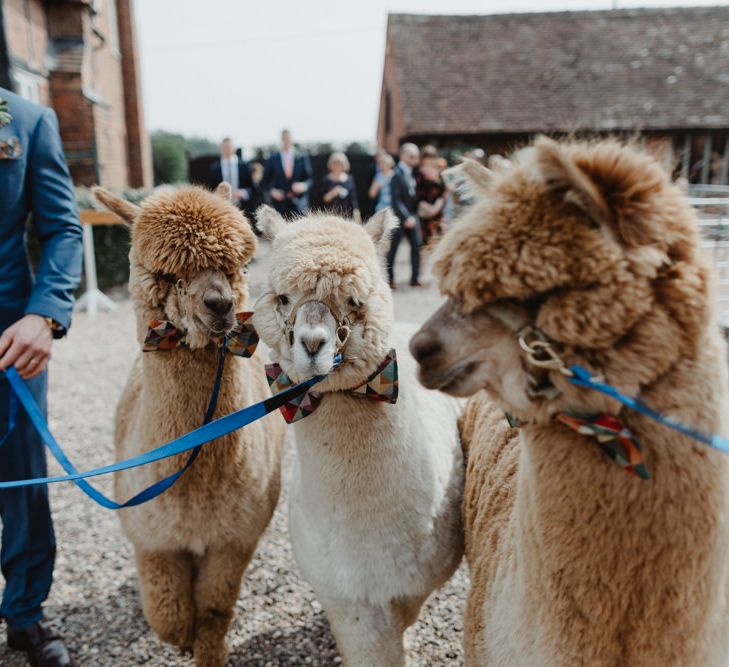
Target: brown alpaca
(574,561)
(189,251)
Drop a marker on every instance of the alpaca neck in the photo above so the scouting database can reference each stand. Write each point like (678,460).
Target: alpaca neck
(605,549)
(182,381)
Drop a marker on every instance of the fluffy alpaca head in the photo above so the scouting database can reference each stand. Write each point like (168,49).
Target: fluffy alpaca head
(331,269)
(591,244)
(190,248)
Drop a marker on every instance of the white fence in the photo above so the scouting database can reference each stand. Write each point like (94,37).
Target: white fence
(712,203)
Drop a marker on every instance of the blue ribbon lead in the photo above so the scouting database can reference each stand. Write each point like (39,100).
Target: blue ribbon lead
(189,441)
(582,378)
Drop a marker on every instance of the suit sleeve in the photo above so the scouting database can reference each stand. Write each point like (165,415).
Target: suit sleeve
(245,182)
(267,180)
(353,189)
(308,173)
(397,191)
(55,218)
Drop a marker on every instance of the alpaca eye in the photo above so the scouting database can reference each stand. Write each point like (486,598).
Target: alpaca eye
(354,303)
(283,299)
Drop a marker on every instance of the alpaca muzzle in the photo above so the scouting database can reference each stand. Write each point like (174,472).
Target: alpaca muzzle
(343,323)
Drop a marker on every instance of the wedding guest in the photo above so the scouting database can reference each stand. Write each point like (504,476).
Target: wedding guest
(233,171)
(340,192)
(34,310)
(404,204)
(380,189)
(288,178)
(430,194)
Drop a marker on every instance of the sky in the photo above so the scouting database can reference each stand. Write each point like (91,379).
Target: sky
(247,68)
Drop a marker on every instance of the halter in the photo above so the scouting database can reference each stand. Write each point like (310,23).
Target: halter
(344,323)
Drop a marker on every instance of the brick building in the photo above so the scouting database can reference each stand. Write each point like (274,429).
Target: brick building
(79,57)
(495,81)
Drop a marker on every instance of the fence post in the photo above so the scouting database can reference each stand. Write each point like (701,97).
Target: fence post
(93,297)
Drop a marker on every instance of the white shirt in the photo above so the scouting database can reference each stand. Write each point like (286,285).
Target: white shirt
(408,171)
(288,156)
(229,169)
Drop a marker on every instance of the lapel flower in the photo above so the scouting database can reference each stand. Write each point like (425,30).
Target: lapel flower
(5,116)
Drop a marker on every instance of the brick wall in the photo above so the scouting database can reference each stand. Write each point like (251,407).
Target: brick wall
(79,61)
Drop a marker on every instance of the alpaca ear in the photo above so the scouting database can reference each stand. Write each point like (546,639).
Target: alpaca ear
(563,176)
(127,211)
(224,190)
(269,222)
(470,177)
(380,226)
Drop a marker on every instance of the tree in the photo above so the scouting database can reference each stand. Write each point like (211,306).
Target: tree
(169,157)
(199,146)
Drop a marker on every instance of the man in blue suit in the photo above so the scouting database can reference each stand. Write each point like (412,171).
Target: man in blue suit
(288,178)
(34,180)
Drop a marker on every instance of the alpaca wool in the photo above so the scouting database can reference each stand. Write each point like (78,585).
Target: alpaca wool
(572,561)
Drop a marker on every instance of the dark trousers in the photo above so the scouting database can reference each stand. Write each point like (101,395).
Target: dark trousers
(413,236)
(28,547)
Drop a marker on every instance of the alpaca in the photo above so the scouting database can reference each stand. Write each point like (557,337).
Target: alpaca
(374,512)
(192,544)
(574,561)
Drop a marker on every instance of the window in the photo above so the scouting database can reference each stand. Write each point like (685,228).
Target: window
(27,85)
(113,29)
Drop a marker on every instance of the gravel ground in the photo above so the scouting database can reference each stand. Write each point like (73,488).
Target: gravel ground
(94,600)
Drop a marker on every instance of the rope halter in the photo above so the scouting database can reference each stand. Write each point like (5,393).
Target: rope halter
(344,323)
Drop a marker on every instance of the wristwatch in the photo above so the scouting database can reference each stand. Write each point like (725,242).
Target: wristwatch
(57,330)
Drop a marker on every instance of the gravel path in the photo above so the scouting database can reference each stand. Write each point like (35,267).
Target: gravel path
(94,600)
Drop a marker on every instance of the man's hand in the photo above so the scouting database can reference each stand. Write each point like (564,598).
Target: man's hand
(241,195)
(277,195)
(410,223)
(299,188)
(26,345)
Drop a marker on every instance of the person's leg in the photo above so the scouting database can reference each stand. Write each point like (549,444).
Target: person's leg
(28,546)
(394,244)
(415,241)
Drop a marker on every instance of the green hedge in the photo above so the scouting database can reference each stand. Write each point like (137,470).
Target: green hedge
(111,241)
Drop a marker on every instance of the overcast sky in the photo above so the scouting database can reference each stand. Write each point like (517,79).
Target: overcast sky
(247,68)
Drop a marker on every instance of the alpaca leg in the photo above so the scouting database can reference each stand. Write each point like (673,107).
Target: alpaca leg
(216,590)
(165,580)
(368,635)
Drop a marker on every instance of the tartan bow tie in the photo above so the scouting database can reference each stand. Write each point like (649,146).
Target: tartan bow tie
(611,435)
(382,385)
(163,336)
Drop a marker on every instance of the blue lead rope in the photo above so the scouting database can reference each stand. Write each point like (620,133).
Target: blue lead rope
(582,378)
(190,441)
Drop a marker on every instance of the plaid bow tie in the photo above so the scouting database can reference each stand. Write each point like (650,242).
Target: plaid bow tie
(612,436)
(382,385)
(163,336)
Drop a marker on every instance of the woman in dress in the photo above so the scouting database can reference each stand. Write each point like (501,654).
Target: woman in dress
(380,188)
(431,195)
(340,192)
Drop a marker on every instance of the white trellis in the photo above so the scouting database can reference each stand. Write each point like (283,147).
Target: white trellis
(712,203)
(93,298)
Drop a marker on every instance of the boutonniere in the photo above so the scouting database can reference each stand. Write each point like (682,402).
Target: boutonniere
(5,116)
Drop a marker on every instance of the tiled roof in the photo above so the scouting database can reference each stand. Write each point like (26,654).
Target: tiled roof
(563,71)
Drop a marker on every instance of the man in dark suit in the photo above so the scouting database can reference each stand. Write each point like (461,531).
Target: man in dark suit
(34,181)
(288,178)
(404,203)
(234,171)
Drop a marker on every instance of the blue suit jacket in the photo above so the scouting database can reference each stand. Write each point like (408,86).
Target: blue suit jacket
(36,181)
(275,177)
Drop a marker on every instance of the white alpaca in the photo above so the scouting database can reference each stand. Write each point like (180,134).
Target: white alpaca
(375,505)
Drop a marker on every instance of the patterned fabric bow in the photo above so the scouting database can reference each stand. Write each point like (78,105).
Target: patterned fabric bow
(163,336)
(613,437)
(382,385)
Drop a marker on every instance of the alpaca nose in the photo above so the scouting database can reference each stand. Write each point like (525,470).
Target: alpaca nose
(313,341)
(424,345)
(218,304)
